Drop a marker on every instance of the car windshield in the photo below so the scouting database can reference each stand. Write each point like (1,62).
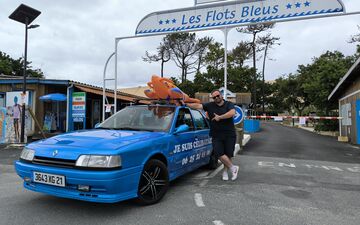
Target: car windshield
(141,118)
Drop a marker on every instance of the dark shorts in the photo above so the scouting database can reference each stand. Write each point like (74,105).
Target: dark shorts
(224,145)
(16,121)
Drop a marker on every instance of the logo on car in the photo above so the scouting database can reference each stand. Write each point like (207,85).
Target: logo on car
(55,153)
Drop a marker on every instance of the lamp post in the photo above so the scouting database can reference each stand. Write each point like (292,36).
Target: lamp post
(26,15)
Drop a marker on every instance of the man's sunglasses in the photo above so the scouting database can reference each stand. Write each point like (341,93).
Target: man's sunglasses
(217,96)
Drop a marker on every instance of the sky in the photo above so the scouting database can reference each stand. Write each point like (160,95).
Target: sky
(75,38)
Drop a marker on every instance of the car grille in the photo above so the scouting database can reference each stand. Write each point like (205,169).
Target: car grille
(54,162)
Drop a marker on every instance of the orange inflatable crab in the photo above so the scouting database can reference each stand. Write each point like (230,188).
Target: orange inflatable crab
(165,89)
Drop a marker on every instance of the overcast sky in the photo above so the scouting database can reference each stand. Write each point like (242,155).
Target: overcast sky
(76,37)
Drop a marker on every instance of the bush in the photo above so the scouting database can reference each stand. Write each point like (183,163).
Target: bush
(327,125)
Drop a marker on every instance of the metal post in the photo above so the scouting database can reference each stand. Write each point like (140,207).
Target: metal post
(22,135)
(340,121)
(116,74)
(104,75)
(226,32)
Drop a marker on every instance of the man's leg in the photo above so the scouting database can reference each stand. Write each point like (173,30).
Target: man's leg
(226,161)
(229,153)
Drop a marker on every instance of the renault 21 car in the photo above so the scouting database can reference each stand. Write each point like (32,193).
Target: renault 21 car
(133,154)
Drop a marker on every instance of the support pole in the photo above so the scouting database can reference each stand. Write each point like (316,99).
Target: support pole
(340,121)
(104,86)
(22,135)
(226,32)
(116,75)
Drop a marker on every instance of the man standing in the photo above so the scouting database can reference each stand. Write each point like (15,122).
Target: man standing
(222,130)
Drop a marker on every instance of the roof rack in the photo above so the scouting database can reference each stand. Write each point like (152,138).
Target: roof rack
(159,101)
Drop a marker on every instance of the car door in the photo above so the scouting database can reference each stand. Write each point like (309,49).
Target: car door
(202,146)
(182,148)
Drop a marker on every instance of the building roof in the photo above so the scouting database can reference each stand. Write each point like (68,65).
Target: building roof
(348,79)
(138,91)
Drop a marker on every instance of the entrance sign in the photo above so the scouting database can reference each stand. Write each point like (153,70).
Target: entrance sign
(79,106)
(235,13)
(224,15)
(239,115)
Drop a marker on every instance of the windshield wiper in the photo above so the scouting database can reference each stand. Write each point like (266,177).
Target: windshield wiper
(127,128)
(103,128)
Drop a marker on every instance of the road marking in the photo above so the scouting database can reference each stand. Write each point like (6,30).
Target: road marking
(294,210)
(218,222)
(355,169)
(198,200)
(213,174)
(203,183)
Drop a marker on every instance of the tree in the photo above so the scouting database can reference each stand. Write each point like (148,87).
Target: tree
(215,56)
(241,53)
(254,30)
(5,64)
(163,55)
(290,93)
(320,78)
(267,41)
(10,66)
(187,51)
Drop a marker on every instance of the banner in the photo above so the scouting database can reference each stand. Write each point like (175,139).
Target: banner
(235,13)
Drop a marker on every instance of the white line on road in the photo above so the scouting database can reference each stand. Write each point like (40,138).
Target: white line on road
(213,174)
(218,222)
(198,200)
(203,183)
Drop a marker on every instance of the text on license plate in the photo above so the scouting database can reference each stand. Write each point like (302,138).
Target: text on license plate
(51,179)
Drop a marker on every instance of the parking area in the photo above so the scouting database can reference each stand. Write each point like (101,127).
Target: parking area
(287,176)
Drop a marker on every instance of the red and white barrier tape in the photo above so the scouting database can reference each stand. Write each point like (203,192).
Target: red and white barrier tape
(296,117)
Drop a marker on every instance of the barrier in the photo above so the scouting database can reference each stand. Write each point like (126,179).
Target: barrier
(251,126)
(296,117)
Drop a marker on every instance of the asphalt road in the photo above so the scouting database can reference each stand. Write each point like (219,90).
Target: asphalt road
(287,176)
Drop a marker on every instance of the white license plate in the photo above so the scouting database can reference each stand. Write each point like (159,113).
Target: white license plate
(51,179)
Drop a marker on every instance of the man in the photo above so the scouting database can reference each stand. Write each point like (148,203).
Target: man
(222,130)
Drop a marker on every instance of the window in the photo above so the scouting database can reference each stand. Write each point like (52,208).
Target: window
(199,120)
(184,117)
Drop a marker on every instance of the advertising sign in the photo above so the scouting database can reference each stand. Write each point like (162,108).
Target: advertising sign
(79,106)
(235,13)
(13,118)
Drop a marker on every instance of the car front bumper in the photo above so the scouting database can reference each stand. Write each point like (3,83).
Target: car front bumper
(105,186)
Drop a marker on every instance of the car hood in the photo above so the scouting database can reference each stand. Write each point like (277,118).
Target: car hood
(95,141)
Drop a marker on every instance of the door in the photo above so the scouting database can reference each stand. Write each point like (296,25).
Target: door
(183,144)
(202,144)
(357,122)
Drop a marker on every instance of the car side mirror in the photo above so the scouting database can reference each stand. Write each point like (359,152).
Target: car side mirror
(181,129)
(97,125)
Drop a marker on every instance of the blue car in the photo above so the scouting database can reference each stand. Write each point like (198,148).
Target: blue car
(133,154)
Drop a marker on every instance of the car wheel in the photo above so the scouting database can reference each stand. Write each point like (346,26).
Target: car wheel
(213,162)
(154,182)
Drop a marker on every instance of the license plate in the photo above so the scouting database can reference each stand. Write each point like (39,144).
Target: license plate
(51,179)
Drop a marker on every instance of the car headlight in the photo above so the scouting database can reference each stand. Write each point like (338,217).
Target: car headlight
(99,161)
(27,154)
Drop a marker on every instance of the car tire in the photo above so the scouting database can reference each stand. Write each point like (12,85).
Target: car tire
(213,162)
(153,183)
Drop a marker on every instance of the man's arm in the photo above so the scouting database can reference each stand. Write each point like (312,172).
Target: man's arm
(194,106)
(227,115)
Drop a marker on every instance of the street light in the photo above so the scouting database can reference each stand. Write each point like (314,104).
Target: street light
(26,15)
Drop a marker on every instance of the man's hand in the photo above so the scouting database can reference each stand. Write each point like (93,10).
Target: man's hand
(217,118)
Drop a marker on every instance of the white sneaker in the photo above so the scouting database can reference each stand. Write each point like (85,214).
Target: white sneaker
(225,175)
(234,172)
